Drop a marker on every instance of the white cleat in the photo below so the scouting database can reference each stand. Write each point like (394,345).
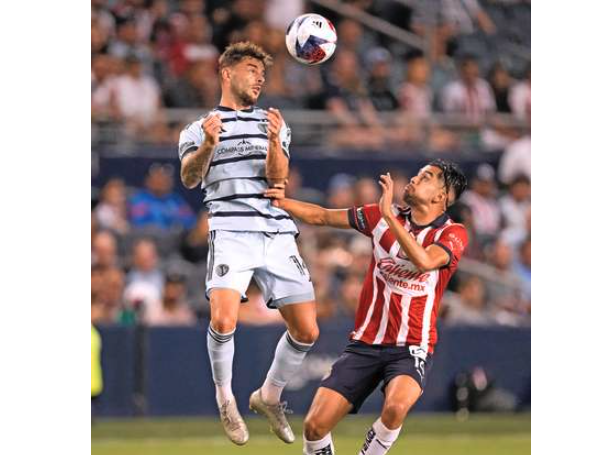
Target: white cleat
(233,424)
(275,413)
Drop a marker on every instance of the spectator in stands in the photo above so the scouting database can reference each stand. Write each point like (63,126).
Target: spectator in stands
(103,75)
(145,266)
(173,311)
(500,82)
(354,38)
(111,210)
(107,285)
(469,305)
(379,80)
(367,191)
(455,18)
(104,250)
(197,87)
(519,98)
(157,205)
(99,37)
(515,161)
(516,204)
(341,192)
(481,199)
(347,99)
(194,245)
(138,101)
(415,94)
(515,234)
(128,42)
(469,95)
(505,290)
(521,268)
(296,190)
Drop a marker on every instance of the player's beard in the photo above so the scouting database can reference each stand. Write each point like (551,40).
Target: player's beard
(243,95)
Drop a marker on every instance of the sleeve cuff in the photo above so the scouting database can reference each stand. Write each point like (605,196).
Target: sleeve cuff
(448,251)
(188,152)
(353,218)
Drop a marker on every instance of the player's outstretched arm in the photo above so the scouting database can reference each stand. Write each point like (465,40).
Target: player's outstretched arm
(195,165)
(425,259)
(308,213)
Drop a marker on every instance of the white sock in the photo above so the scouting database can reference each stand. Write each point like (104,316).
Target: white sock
(324,446)
(288,358)
(379,439)
(220,347)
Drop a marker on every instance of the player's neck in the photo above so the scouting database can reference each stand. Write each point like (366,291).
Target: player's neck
(229,101)
(422,215)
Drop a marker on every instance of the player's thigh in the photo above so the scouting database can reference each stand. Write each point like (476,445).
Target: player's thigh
(301,320)
(284,277)
(232,259)
(327,409)
(401,394)
(230,266)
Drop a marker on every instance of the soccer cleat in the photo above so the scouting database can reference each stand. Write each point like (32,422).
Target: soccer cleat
(275,413)
(233,424)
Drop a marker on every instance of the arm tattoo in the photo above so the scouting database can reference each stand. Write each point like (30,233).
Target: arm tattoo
(196,165)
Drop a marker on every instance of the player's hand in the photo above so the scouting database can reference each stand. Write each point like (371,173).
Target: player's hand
(212,127)
(274,124)
(387,184)
(276,193)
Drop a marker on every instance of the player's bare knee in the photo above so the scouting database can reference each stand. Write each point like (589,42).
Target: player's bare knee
(307,335)
(393,414)
(313,430)
(224,324)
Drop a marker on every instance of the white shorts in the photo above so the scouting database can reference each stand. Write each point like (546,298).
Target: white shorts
(273,259)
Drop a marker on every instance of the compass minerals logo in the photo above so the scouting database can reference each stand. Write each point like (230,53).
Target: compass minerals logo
(244,147)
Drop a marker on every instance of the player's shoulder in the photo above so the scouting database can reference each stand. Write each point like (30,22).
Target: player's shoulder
(453,228)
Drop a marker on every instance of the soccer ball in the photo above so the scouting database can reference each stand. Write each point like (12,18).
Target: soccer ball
(311,39)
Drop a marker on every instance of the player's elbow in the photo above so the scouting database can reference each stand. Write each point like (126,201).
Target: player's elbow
(188,182)
(424,266)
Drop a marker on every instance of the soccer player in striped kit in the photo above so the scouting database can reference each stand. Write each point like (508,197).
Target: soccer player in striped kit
(415,252)
(235,152)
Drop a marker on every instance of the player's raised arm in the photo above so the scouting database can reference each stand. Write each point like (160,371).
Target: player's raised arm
(277,161)
(309,213)
(196,164)
(425,259)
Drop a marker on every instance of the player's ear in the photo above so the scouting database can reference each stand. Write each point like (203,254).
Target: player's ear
(440,197)
(225,73)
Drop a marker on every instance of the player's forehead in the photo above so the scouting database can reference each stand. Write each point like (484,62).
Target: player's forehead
(251,63)
(430,171)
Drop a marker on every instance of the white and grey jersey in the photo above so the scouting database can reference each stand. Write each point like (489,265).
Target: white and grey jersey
(234,185)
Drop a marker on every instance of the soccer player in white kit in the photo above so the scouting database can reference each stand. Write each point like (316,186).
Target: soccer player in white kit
(236,152)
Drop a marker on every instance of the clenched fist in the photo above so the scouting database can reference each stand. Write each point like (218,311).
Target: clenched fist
(212,127)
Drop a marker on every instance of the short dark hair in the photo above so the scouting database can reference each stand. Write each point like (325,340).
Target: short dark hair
(236,52)
(453,178)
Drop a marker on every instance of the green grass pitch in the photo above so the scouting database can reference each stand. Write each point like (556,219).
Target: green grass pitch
(426,434)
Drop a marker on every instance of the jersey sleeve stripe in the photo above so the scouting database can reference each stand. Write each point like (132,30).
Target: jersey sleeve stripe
(447,250)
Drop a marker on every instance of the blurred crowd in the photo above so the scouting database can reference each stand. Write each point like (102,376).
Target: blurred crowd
(150,55)
(149,252)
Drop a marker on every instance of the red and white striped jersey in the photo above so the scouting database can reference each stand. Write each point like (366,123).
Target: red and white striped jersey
(398,304)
